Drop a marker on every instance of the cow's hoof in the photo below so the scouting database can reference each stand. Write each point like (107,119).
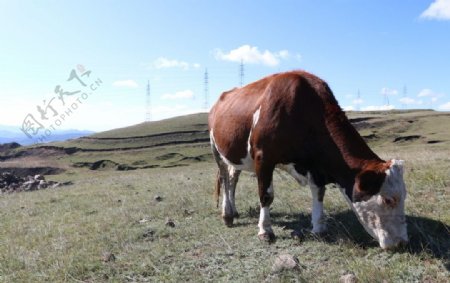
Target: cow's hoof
(319,234)
(268,237)
(319,231)
(297,235)
(228,220)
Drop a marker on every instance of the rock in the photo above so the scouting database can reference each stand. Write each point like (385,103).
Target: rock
(10,183)
(108,257)
(285,262)
(8,178)
(297,235)
(53,184)
(170,223)
(30,185)
(348,278)
(148,234)
(42,185)
(39,177)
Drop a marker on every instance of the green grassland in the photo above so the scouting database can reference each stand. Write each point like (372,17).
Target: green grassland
(69,234)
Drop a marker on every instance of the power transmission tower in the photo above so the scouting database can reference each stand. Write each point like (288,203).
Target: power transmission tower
(405,93)
(386,97)
(241,72)
(206,89)
(358,100)
(148,106)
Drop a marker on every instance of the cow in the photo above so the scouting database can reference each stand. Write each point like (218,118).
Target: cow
(292,121)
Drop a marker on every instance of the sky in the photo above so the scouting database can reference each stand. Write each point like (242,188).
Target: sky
(86,64)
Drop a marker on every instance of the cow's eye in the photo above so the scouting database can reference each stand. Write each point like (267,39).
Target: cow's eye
(390,201)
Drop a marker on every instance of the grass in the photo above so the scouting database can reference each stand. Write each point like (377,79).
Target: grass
(63,235)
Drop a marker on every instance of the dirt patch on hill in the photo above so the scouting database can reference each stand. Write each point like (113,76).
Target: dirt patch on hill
(104,165)
(174,156)
(407,138)
(169,156)
(31,171)
(167,160)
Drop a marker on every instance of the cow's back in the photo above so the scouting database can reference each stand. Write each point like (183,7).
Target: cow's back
(231,118)
(290,109)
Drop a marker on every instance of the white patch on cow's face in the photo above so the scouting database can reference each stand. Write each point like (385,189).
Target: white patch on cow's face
(383,215)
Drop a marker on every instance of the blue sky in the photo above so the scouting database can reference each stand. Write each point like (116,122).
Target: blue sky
(394,49)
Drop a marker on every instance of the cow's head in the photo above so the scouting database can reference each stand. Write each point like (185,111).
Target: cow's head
(379,203)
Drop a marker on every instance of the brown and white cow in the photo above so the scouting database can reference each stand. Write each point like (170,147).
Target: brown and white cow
(292,121)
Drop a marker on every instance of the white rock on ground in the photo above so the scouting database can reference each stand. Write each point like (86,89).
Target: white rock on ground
(285,262)
(348,278)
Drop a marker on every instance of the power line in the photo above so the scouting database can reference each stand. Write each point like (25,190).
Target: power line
(241,73)
(405,92)
(206,89)
(148,108)
(358,101)
(386,97)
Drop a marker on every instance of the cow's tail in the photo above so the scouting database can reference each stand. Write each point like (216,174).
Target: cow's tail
(217,190)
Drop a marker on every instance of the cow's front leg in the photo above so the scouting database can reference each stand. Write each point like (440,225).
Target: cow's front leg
(266,195)
(317,217)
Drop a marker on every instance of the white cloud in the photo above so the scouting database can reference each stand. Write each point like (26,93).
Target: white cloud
(410,101)
(445,106)
(425,92)
(429,93)
(184,94)
(389,91)
(252,55)
(348,96)
(125,83)
(349,108)
(357,101)
(438,10)
(378,108)
(164,63)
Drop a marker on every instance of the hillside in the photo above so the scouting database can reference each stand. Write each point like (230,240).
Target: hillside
(183,140)
(135,205)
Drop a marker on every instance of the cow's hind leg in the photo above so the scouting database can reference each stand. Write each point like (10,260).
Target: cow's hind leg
(317,218)
(266,195)
(223,182)
(234,178)
(230,177)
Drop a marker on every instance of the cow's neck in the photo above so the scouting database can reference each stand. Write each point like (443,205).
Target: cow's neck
(354,153)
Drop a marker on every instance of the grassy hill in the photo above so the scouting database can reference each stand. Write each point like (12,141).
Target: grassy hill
(110,226)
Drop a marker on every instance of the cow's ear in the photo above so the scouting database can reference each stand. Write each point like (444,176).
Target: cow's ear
(367,184)
(397,166)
